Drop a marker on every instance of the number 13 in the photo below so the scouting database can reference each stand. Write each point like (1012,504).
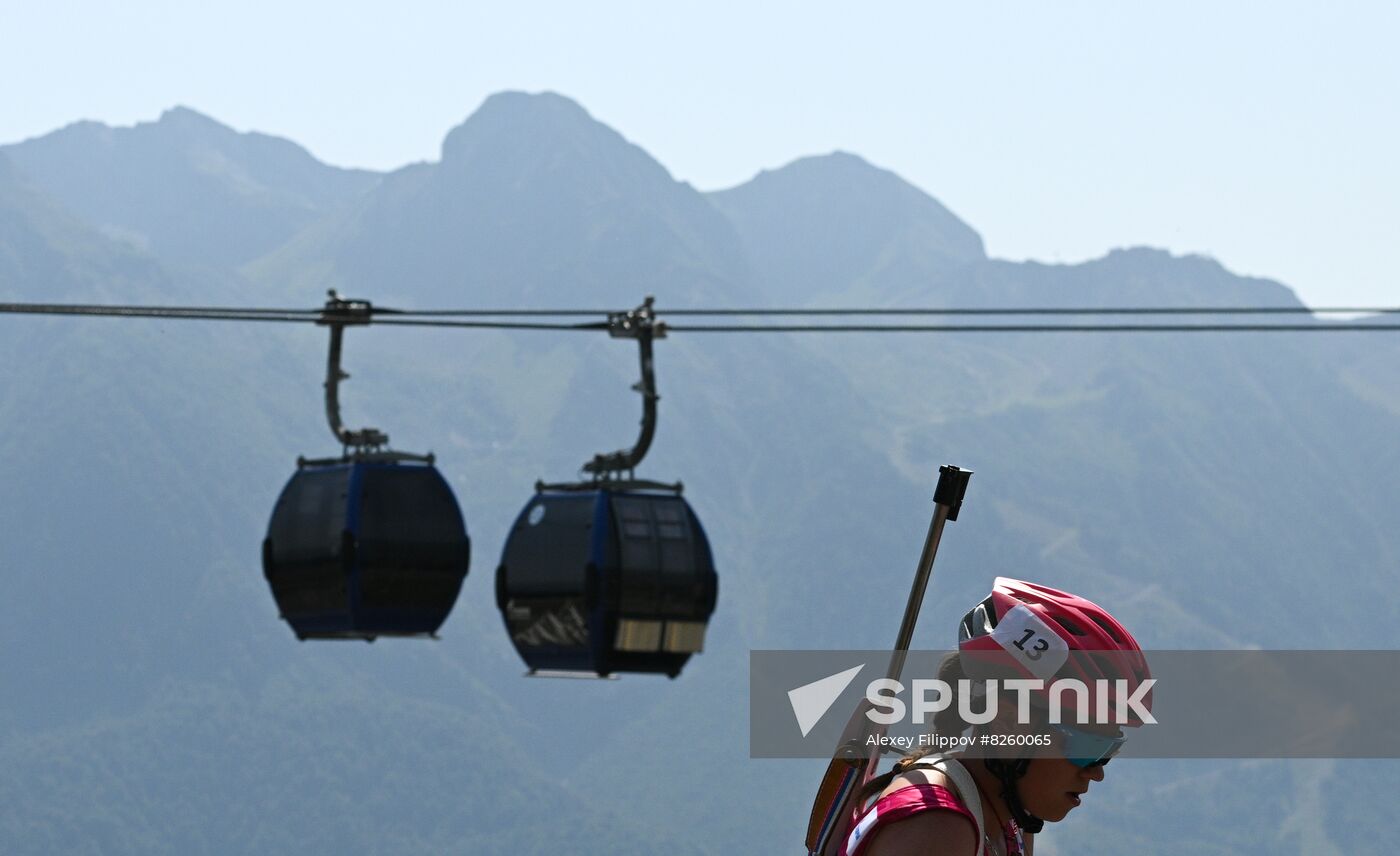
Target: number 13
(1036,650)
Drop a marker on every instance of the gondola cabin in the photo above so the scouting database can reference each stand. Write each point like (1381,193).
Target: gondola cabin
(361,548)
(604,581)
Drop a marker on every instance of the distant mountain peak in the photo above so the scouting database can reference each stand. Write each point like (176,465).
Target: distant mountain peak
(842,172)
(530,122)
(835,160)
(532,179)
(541,145)
(181,116)
(826,224)
(545,102)
(181,113)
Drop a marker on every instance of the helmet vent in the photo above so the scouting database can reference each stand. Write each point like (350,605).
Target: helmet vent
(988,613)
(1071,626)
(1107,628)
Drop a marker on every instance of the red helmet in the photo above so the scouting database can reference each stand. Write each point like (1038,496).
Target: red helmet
(1028,630)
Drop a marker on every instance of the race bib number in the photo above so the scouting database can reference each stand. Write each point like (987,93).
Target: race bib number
(1031,642)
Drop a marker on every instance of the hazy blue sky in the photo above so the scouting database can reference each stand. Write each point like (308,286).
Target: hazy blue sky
(1263,134)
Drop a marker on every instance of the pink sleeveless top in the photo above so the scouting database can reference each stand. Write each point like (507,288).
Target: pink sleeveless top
(911,800)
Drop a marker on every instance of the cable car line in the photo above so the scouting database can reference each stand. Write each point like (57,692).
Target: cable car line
(437,318)
(442,317)
(1029,328)
(489,313)
(305,316)
(162,312)
(895,311)
(119,309)
(490,325)
(1050,310)
(367,314)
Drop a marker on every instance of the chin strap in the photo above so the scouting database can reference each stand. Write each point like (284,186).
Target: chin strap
(1008,773)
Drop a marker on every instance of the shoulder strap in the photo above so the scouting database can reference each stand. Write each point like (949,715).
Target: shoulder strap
(966,788)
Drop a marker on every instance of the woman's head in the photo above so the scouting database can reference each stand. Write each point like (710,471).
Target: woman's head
(1027,631)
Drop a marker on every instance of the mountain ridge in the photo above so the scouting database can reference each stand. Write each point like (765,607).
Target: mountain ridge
(530,205)
(186,187)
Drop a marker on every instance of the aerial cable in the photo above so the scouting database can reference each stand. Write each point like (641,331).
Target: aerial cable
(306,316)
(490,325)
(1026,328)
(161,312)
(1051,310)
(454,318)
(490,313)
(312,313)
(110,309)
(896,311)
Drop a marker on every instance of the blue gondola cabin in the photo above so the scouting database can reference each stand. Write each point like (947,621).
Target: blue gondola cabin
(362,548)
(604,581)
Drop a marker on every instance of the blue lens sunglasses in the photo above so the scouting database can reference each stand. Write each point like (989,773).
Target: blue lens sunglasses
(1087,749)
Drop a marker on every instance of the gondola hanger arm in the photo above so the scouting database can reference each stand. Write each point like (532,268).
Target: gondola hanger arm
(639,324)
(338,314)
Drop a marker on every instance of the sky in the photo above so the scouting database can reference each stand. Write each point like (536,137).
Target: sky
(1262,134)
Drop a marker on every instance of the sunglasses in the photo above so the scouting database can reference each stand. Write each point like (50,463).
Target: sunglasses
(1087,749)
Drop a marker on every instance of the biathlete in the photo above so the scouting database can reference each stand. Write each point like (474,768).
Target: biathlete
(959,805)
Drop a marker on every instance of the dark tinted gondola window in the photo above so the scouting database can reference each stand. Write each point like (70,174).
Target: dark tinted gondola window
(310,515)
(408,504)
(633,516)
(550,555)
(670,521)
(640,571)
(413,546)
(683,569)
(677,546)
